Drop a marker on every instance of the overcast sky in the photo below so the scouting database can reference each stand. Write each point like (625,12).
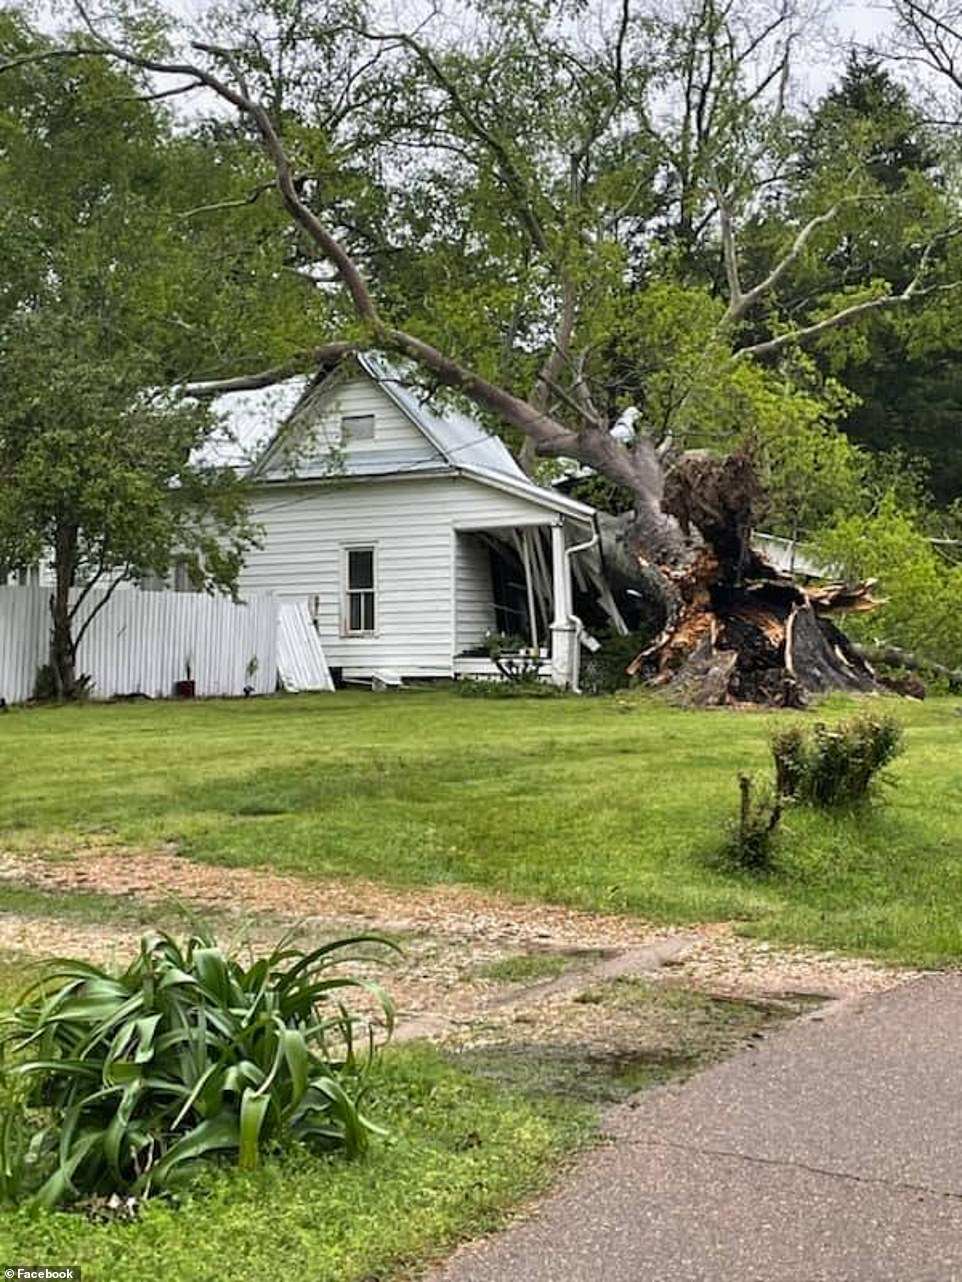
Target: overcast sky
(853,21)
(863,20)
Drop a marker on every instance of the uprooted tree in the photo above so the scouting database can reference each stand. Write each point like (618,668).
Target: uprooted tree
(537,172)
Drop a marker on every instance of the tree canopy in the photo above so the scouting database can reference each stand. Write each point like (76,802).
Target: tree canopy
(102,306)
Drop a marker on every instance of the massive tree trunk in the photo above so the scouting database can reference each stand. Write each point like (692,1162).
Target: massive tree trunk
(735,628)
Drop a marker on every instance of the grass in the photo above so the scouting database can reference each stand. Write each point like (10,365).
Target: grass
(526,968)
(461,1154)
(470,1137)
(611,804)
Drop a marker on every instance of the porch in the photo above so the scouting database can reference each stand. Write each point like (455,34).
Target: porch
(517,587)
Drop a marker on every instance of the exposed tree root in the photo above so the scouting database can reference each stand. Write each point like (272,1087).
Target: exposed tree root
(742,632)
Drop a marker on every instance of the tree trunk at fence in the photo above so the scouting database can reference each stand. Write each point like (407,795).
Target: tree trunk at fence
(63,680)
(737,629)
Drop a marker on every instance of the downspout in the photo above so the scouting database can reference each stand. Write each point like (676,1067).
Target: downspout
(573,618)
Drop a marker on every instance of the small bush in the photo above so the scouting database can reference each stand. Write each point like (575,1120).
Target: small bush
(45,689)
(498,643)
(123,1083)
(835,766)
(604,671)
(751,845)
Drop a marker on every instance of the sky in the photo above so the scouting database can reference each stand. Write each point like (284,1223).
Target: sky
(862,20)
(856,23)
(851,21)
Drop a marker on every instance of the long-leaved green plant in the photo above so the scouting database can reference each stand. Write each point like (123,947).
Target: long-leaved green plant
(125,1082)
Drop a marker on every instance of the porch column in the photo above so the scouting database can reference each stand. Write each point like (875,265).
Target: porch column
(563,638)
(525,544)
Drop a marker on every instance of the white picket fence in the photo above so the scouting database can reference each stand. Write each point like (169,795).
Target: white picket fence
(143,642)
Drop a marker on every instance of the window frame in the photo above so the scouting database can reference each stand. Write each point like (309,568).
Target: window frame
(347,592)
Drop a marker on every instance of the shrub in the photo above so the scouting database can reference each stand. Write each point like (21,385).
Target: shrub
(45,688)
(498,643)
(123,1083)
(752,840)
(834,766)
(604,671)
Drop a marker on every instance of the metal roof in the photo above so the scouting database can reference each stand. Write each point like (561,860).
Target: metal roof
(791,557)
(250,422)
(465,443)
(254,420)
(462,440)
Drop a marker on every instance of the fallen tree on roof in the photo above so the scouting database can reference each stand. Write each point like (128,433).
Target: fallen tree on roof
(731,626)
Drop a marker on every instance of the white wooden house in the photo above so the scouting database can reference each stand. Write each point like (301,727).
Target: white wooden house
(411,532)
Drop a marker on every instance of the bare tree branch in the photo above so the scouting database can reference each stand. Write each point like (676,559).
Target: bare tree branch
(740,303)
(46,55)
(174,92)
(240,203)
(730,256)
(112,587)
(914,290)
(509,171)
(558,351)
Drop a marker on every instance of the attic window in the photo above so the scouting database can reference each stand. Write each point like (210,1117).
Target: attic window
(357,427)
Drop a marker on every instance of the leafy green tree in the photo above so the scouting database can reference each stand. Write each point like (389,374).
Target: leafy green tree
(100,303)
(903,370)
(921,586)
(97,475)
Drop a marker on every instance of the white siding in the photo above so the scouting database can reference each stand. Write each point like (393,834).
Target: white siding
(411,521)
(316,432)
(475,592)
(24,632)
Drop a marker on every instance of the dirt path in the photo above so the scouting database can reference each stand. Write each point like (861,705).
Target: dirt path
(452,935)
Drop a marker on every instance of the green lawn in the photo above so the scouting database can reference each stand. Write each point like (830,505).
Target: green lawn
(462,1151)
(614,804)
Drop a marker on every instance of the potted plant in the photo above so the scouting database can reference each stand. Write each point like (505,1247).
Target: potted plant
(186,689)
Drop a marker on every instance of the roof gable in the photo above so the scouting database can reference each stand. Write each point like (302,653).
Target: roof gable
(302,438)
(315,441)
(462,440)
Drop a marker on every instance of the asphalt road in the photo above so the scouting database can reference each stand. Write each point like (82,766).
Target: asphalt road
(830,1152)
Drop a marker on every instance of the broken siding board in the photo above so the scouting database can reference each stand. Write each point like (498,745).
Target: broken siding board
(301,663)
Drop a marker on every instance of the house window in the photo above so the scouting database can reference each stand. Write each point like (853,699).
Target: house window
(359,608)
(357,427)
